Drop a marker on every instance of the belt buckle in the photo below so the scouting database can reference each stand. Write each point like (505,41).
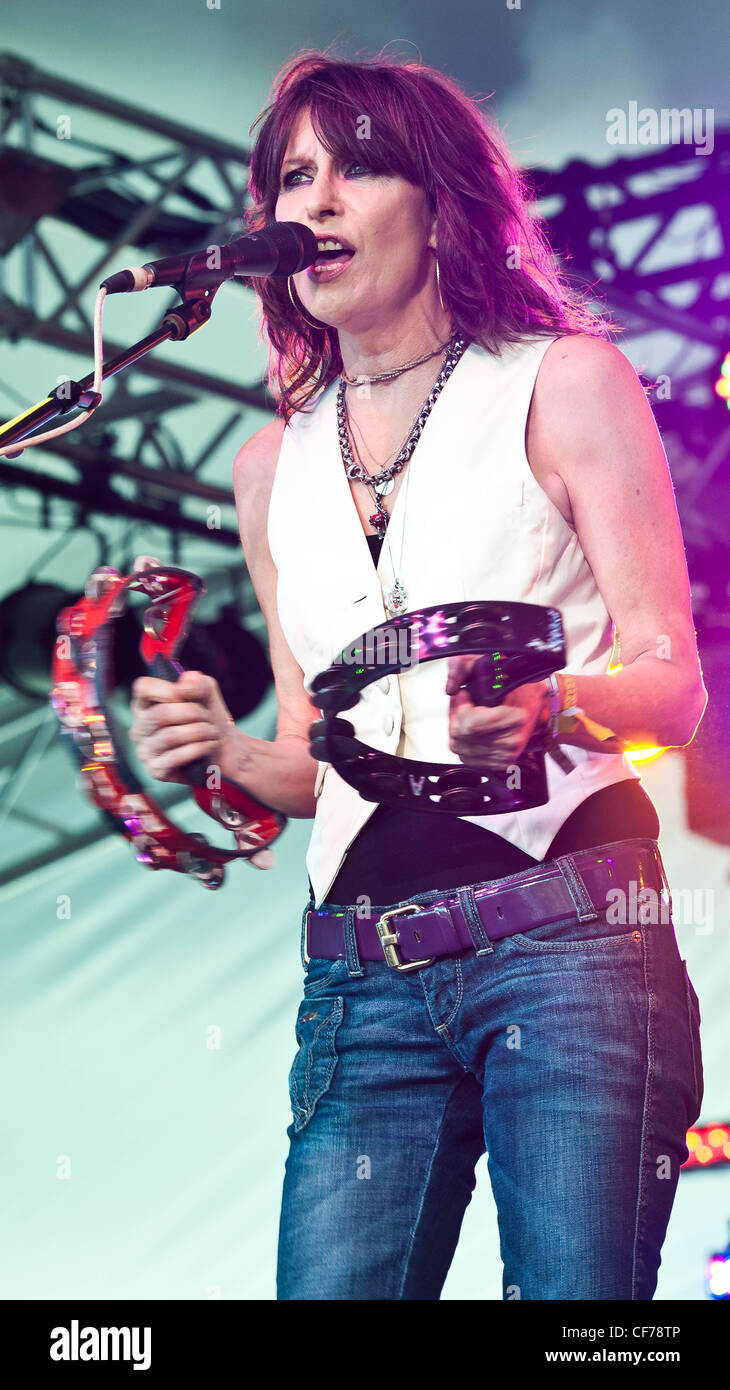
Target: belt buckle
(389,940)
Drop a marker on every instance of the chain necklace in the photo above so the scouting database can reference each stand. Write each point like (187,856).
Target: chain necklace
(382,483)
(394,371)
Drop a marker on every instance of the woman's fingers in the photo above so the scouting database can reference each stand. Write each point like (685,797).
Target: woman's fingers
(176,736)
(177,722)
(166,756)
(459,669)
(150,690)
(489,737)
(148,720)
(191,685)
(165,764)
(155,701)
(466,718)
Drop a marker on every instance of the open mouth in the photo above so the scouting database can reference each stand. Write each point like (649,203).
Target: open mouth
(330,261)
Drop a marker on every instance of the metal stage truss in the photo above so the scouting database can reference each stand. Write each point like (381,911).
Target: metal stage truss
(648,233)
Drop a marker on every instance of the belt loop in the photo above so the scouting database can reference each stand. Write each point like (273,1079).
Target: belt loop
(582,899)
(480,940)
(303,935)
(354,964)
(665,881)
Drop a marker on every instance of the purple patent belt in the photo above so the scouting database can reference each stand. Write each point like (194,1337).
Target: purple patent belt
(444,922)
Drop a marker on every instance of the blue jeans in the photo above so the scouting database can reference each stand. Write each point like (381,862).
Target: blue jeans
(571,1054)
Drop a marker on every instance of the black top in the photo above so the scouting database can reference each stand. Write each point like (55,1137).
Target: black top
(400,852)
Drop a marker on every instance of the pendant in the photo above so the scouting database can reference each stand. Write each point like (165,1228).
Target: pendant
(396,599)
(383,489)
(379,522)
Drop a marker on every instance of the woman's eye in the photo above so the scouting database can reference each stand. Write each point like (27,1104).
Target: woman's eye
(294,173)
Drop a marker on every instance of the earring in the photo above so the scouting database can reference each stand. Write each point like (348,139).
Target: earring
(299,308)
(438,286)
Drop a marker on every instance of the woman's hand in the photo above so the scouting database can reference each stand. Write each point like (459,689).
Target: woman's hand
(497,736)
(176,722)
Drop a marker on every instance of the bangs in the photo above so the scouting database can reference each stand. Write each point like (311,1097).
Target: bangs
(363,120)
(350,135)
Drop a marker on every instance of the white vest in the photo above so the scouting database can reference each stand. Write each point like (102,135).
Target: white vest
(470,524)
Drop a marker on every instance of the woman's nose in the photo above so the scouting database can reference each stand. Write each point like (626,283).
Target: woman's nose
(323,195)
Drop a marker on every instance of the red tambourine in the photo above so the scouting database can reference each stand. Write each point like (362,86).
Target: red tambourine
(81,672)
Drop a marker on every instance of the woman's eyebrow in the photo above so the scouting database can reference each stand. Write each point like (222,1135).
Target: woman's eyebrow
(295,159)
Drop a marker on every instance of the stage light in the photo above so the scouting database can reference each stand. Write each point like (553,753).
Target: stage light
(717,1274)
(643,755)
(27,635)
(222,648)
(227,650)
(722,385)
(708,1145)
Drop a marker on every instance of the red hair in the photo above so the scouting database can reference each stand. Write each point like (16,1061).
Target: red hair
(498,276)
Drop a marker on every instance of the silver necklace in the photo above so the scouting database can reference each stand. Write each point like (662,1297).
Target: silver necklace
(382,483)
(396,597)
(378,482)
(394,371)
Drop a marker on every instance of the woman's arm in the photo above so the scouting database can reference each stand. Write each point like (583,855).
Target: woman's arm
(591,423)
(281,772)
(176,722)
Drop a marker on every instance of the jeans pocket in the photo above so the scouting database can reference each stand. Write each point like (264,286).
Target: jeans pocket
(570,934)
(314,1064)
(321,972)
(694,1019)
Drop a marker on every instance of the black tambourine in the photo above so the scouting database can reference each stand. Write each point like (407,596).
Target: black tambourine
(518,643)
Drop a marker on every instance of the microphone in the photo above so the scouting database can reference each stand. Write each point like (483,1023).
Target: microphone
(282,248)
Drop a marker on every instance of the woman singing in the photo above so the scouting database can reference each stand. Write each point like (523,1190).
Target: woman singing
(454,426)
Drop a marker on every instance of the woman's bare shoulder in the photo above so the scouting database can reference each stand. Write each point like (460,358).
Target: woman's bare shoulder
(256,459)
(579,360)
(253,470)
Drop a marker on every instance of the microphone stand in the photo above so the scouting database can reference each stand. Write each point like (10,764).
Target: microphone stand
(178,323)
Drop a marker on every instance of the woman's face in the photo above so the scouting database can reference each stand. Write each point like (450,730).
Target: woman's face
(382,217)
